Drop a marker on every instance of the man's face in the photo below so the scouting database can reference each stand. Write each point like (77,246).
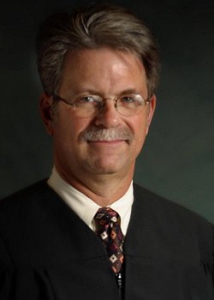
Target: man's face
(108,73)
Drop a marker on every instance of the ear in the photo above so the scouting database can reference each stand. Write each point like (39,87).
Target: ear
(151,110)
(46,112)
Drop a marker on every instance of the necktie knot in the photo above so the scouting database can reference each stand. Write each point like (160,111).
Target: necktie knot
(105,217)
(108,229)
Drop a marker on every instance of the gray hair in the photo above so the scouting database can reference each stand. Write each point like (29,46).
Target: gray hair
(94,27)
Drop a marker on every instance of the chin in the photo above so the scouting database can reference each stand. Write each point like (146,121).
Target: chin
(104,168)
(107,165)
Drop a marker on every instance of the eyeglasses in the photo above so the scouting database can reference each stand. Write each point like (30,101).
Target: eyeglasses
(88,105)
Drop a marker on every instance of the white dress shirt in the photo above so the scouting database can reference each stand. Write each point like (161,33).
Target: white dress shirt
(86,208)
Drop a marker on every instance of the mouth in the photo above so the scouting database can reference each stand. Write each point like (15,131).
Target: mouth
(107,141)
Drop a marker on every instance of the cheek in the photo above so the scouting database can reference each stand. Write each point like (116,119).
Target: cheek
(140,130)
(139,126)
(69,128)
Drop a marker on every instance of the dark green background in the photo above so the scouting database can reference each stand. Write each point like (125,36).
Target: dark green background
(177,160)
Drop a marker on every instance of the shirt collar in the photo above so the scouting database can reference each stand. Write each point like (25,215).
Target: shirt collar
(86,208)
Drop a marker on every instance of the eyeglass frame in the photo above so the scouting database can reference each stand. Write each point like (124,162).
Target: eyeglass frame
(58,98)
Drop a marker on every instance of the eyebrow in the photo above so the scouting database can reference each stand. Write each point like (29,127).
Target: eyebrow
(130,91)
(96,92)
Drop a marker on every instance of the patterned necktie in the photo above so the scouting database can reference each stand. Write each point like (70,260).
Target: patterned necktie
(107,223)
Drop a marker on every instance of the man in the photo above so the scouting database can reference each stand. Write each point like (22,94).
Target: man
(89,232)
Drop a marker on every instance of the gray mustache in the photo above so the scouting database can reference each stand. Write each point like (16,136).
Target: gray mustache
(102,134)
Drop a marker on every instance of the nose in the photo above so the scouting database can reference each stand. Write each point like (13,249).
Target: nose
(108,116)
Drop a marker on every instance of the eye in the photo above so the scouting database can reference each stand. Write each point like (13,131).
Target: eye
(127,99)
(134,99)
(86,99)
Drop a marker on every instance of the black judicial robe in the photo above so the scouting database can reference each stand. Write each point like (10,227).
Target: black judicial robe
(48,252)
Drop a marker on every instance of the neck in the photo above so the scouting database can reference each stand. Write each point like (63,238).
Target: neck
(102,189)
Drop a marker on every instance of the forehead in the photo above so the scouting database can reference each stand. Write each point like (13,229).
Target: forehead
(104,69)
